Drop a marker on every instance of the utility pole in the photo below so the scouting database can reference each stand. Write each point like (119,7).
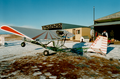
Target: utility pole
(94,21)
(93,13)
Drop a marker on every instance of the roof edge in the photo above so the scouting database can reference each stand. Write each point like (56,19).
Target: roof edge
(106,24)
(106,16)
(65,23)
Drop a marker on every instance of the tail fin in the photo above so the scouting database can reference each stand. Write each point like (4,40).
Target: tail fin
(99,45)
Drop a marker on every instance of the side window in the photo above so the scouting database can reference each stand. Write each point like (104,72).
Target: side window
(77,31)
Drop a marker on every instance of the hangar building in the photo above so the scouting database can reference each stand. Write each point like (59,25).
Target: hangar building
(78,30)
(111,23)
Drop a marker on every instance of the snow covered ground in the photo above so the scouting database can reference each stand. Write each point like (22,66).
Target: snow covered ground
(14,49)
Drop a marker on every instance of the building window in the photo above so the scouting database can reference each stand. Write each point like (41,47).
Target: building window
(77,31)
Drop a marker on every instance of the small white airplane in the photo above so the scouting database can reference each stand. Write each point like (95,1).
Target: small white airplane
(40,37)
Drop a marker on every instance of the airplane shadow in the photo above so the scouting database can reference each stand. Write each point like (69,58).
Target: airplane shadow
(38,48)
(109,49)
(51,54)
(77,48)
(77,51)
(77,45)
(12,44)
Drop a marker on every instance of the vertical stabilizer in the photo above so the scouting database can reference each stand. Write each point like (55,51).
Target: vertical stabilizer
(99,45)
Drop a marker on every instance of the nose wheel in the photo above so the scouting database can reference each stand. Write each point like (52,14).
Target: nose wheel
(23,44)
(46,53)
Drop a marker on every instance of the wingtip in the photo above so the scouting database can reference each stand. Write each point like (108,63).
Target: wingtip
(4,26)
(11,30)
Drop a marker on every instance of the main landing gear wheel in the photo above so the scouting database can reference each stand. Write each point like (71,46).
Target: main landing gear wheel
(46,53)
(23,44)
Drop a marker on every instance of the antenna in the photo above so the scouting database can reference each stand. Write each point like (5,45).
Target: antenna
(93,13)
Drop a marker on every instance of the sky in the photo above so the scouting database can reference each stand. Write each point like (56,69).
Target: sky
(37,13)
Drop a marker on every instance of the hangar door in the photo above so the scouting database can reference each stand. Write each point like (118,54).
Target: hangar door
(113,31)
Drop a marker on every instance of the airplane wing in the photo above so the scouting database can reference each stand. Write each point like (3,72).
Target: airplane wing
(35,33)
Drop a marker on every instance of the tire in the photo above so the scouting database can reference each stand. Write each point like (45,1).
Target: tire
(23,44)
(6,44)
(46,53)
